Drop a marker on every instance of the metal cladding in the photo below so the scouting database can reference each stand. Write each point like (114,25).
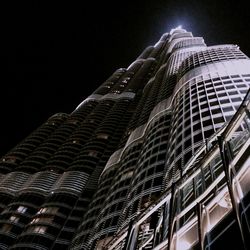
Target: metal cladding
(127,168)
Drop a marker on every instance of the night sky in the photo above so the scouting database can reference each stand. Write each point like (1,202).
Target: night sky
(56,54)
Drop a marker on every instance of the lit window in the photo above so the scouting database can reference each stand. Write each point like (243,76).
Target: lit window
(34,221)
(21,209)
(42,210)
(102,136)
(42,219)
(38,229)
(116,92)
(126,79)
(48,210)
(10,159)
(14,218)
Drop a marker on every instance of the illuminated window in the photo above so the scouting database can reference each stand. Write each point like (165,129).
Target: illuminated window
(38,229)
(42,210)
(116,92)
(35,220)
(102,136)
(21,209)
(49,210)
(10,159)
(14,218)
(42,219)
(126,79)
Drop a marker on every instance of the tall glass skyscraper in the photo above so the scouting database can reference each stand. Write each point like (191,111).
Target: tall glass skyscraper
(158,157)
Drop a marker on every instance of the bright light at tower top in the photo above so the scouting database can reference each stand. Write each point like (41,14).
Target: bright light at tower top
(179,27)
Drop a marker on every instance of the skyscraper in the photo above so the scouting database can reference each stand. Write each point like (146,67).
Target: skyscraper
(156,158)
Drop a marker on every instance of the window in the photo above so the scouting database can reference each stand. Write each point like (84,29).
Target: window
(72,121)
(14,218)
(187,123)
(208,133)
(196,109)
(196,127)
(216,111)
(237,80)
(203,106)
(147,184)
(187,156)
(218,120)
(207,123)
(6,228)
(10,159)
(102,136)
(158,181)
(243,91)
(227,109)
(233,93)
(93,153)
(222,94)
(21,209)
(196,117)
(187,132)
(198,138)
(214,103)
(116,92)
(238,99)
(34,220)
(212,97)
(115,221)
(203,99)
(38,229)
(50,210)
(43,219)
(224,101)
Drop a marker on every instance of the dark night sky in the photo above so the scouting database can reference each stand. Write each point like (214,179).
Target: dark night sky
(55,54)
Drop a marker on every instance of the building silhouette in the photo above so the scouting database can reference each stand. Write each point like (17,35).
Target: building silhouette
(156,158)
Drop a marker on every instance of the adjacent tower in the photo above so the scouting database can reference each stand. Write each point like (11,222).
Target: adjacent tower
(127,168)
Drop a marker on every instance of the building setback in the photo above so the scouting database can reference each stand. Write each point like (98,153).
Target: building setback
(156,158)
